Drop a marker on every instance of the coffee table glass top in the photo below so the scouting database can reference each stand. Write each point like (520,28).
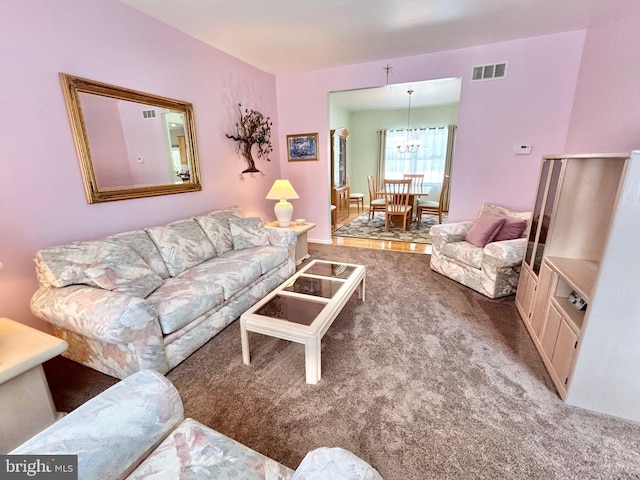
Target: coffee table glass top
(291,309)
(318,287)
(338,270)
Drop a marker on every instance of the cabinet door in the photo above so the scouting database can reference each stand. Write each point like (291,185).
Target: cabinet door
(564,351)
(525,293)
(542,213)
(550,331)
(537,210)
(547,281)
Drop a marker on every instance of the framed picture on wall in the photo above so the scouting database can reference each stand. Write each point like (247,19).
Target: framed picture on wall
(302,147)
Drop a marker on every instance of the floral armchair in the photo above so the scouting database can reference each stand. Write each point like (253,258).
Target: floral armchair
(485,254)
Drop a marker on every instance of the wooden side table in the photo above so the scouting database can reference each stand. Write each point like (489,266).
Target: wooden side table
(302,248)
(26,406)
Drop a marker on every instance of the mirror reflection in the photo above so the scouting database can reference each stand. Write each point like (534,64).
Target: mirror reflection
(131,144)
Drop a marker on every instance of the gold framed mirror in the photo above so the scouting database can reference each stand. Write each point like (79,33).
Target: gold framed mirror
(131,144)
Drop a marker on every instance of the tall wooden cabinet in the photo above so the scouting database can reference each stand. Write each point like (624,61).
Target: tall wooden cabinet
(340,189)
(584,242)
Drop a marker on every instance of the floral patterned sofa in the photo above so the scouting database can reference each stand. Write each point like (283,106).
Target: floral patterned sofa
(493,269)
(149,298)
(136,429)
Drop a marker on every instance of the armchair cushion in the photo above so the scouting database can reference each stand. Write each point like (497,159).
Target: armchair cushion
(335,464)
(464,252)
(484,229)
(248,232)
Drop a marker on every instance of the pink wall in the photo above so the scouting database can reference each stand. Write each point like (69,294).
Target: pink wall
(108,147)
(606,112)
(41,193)
(532,105)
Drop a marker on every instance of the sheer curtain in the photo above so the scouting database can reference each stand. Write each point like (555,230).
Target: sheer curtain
(430,159)
(382,147)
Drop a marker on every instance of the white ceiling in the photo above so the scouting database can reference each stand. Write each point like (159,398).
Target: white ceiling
(285,36)
(444,91)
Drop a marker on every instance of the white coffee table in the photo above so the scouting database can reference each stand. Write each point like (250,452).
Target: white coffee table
(303,308)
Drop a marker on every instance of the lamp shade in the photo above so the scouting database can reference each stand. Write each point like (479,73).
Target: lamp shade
(282,190)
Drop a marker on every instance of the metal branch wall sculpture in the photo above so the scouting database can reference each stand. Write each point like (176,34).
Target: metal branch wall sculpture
(253,129)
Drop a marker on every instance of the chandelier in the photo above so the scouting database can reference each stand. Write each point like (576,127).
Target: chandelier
(411,146)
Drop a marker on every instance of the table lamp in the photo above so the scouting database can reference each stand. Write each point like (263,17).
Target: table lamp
(282,190)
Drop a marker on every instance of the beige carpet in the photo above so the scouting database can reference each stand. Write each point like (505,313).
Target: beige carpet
(426,379)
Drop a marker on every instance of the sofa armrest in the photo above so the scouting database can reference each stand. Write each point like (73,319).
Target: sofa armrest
(282,237)
(114,431)
(448,233)
(103,315)
(506,253)
(336,464)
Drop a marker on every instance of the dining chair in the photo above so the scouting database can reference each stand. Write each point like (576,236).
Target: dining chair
(416,186)
(376,201)
(418,178)
(431,207)
(396,193)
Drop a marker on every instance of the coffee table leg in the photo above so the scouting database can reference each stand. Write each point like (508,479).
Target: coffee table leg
(244,338)
(361,290)
(312,359)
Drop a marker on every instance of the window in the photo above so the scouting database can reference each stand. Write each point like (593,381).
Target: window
(429,159)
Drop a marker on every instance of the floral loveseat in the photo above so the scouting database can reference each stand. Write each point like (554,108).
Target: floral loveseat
(492,269)
(136,429)
(149,298)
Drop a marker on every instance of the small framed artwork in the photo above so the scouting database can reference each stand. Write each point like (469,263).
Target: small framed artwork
(302,147)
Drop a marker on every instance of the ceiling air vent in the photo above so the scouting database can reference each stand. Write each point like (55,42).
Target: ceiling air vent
(149,113)
(487,72)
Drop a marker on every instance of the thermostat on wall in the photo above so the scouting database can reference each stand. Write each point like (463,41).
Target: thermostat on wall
(523,149)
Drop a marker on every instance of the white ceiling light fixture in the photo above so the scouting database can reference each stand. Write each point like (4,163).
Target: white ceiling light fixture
(411,146)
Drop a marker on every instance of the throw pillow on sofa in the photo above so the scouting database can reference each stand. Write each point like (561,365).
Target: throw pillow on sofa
(99,264)
(484,229)
(248,232)
(216,226)
(139,242)
(182,244)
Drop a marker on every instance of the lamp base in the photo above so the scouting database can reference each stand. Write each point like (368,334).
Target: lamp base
(283,211)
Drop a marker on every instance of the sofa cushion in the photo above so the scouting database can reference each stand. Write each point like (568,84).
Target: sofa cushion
(270,257)
(216,226)
(98,264)
(181,300)
(484,229)
(233,275)
(464,252)
(194,450)
(248,232)
(182,244)
(140,242)
(511,229)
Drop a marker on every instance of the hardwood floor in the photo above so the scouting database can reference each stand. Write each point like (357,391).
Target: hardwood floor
(420,248)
